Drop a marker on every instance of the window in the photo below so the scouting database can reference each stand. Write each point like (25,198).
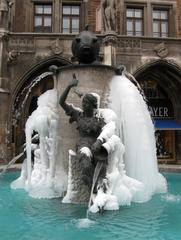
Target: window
(70,18)
(43,18)
(160,23)
(134,21)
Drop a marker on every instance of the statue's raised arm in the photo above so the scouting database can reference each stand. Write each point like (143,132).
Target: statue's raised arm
(63,97)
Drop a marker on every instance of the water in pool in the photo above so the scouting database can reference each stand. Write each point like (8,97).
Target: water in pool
(25,218)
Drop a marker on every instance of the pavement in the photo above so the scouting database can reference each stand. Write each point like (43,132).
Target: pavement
(169,168)
(13,167)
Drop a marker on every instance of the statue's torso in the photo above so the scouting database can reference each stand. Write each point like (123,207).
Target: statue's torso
(89,126)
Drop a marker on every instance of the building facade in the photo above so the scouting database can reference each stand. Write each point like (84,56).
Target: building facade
(144,35)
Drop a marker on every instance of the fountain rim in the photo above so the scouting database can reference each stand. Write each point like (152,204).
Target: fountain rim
(83,66)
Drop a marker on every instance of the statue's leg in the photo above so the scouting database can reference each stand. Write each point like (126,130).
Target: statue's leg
(77,190)
(84,156)
(108,18)
(113,20)
(101,158)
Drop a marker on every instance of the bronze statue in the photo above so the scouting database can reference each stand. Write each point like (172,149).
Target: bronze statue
(89,149)
(85,47)
(108,8)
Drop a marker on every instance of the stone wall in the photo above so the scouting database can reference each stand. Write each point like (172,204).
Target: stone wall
(23,15)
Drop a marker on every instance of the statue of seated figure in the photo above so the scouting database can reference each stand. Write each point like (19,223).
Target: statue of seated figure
(91,150)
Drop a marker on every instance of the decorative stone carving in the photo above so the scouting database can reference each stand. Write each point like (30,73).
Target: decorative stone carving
(56,47)
(25,44)
(129,43)
(4,5)
(42,55)
(108,9)
(4,37)
(161,50)
(13,56)
(110,39)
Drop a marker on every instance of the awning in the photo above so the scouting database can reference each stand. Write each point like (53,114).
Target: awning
(167,125)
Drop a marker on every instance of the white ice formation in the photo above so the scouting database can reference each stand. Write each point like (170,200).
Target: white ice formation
(46,178)
(121,189)
(137,133)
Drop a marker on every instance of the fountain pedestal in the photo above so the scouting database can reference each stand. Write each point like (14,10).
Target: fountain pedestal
(92,78)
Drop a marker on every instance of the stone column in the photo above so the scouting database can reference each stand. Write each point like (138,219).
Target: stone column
(58,13)
(3,63)
(4,103)
(3,14)
(110,45)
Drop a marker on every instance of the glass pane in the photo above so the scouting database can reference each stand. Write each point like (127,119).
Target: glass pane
(164,14)
(156,34)
(47,29)
(66,10)
(138,26)
(75,23)
(75,10)
(38,9)
(164,34)
(75,30)
(65,30)
(66,24)
(164,27)
(138,13)
(138,34)
(47,9)
(47,21)
(129,25)
(156,27)
(38,21)
(130,34)
(129,12)
(156,14)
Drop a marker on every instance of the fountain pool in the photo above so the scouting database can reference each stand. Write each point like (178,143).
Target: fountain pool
(22,217)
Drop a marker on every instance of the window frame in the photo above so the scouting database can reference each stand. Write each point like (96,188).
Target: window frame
(70,17)
(134,19)
(160,21)
(43,16)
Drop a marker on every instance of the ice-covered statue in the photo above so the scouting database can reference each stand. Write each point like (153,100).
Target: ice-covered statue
(96,170)
(41,170)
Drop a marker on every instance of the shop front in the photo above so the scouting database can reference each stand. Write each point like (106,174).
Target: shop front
(163,114)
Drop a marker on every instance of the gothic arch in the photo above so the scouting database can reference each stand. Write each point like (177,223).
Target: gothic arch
(38,69)
(17,123)
(168,76)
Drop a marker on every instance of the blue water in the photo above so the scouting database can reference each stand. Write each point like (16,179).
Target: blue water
(25,218)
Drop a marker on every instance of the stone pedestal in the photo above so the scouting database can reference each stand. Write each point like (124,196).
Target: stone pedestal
(92,78)
(110,44)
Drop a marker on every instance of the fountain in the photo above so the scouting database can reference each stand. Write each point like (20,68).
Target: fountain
(111,159)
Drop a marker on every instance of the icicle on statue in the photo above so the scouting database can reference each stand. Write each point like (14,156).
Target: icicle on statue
(41,177)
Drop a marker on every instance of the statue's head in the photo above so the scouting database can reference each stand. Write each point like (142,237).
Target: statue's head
(120,70)
(90,101)
(85,47)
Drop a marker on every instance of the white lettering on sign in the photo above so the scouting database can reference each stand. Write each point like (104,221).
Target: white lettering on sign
(158,111)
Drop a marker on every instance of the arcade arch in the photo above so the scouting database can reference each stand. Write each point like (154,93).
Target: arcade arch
(161,82)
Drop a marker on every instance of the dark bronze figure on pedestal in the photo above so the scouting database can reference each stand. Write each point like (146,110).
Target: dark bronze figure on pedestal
(89,150)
